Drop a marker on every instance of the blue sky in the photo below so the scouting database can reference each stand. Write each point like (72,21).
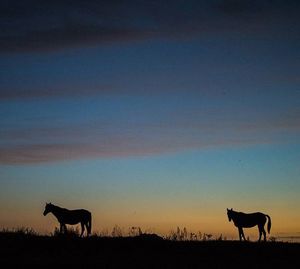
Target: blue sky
(157,113)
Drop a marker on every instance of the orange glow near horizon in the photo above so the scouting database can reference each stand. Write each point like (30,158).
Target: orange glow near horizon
(214,222)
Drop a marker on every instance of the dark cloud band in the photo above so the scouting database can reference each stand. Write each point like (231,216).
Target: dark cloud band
(52,25)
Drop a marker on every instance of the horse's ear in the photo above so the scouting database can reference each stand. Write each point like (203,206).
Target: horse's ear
(231,209)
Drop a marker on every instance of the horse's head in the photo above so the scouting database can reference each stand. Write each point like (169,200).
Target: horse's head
(48,209)
(229,214)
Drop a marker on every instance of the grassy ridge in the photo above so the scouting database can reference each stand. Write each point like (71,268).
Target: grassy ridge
(20,249)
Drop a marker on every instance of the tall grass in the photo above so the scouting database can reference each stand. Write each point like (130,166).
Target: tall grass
(183,234)
(20,231)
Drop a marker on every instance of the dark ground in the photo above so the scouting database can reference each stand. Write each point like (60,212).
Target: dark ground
(19,251)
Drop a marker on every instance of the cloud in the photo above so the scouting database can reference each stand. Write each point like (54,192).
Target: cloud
(67,36)
(29,26)
(78,90)
(124,139)
(61,24)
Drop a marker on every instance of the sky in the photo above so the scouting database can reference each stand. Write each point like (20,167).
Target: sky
(155,114)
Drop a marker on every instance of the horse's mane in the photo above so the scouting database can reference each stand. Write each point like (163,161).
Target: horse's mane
(58,207)
(237,212)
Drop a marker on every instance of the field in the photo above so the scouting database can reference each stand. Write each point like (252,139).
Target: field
(20,250)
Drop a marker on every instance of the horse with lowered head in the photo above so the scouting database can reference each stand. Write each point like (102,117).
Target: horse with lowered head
(242,220)
(66,216)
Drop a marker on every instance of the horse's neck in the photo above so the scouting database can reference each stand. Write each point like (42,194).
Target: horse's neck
(236,216)
(57,211)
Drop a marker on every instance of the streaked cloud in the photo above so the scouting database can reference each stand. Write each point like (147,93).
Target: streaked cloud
(61,90)
(122,139)
(29,26)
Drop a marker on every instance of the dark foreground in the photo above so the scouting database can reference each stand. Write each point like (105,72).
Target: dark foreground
(96,252)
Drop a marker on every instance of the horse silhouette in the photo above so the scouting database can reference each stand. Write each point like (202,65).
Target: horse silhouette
(241,220)
(66,216)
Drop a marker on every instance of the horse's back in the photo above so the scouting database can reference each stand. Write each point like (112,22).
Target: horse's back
(258,215)
(81,212)
(77,215)
(250,219)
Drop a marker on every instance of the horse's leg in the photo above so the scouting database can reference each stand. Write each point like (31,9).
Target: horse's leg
(260,232)
(240,232)
(264,233)
(87,228)
(243,235)
(82,228)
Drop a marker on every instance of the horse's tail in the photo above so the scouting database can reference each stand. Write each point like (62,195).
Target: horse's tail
(269,223)
(89,224)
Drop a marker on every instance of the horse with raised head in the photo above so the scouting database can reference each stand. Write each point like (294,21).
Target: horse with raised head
(243,220)
(66,216)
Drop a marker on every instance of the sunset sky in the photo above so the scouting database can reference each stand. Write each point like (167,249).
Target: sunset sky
(155,114)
